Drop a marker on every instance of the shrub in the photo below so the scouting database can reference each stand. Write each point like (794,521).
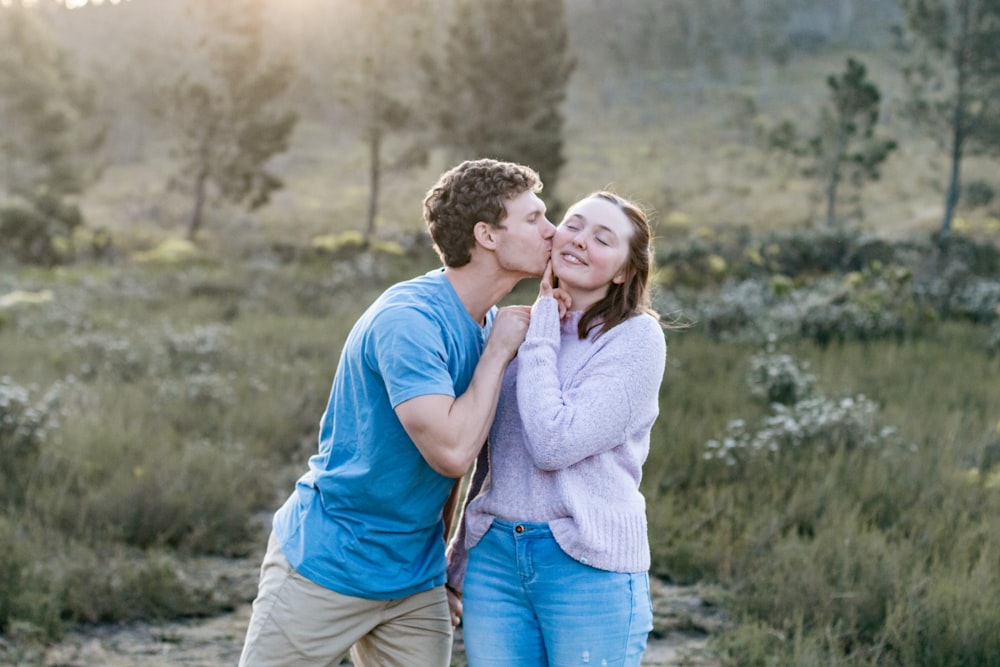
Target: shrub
(24,427)
(197,350)
(14,560)
(839,584)
(42,232)
(950,618)
(26,234)
(779,378)
(200,499)
(815,424)
(993,345)
(978,193)
(737,307)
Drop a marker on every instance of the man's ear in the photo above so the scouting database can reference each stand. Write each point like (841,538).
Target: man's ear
(485,235)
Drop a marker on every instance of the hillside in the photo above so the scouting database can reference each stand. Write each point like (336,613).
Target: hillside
(648,113)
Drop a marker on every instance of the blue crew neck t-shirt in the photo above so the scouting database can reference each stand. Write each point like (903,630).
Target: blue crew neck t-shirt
(365,520)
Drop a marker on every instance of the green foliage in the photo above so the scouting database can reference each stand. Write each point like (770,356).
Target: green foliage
(166,439)
(835,554)
(844,148)
(831,285)
(49,136)
(777,377)
(14,560)
(373,84)
(978,193)
(188,397)
(228,111)
(24,427)
(48,112)
(954,82)
(498,89)
(948,619)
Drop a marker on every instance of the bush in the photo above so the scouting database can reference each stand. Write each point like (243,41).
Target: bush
(839,583)
(978,193)
(197,501)
(42,232)
(14,560)
(779,378)
(27,236)
(812,425)
(993,345)
(24,427)
(950,618)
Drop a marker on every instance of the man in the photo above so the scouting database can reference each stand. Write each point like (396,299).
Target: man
(356,555)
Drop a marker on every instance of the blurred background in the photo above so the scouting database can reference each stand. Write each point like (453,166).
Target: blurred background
(198,198)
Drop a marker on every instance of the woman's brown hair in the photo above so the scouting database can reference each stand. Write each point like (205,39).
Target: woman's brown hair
(632,295)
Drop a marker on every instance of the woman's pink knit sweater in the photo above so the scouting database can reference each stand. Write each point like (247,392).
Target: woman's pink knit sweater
(569,440)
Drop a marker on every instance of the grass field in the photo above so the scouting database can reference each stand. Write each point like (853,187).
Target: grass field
(154,405)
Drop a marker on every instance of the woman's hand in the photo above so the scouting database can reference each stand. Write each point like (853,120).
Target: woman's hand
(546,288)
(454,606)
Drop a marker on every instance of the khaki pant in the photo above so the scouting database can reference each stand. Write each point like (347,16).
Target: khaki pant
(297,622)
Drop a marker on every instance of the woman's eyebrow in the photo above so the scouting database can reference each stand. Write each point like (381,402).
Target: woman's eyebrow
(600,226)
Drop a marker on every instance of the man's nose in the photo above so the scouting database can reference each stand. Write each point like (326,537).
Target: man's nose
(548,229)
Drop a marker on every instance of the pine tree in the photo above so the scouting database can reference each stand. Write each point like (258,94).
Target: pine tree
(846,146)
(499,90)
(955,80)
(374,77)
(228,109)
(50,136)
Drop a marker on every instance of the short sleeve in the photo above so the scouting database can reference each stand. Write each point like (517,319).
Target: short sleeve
(407,349)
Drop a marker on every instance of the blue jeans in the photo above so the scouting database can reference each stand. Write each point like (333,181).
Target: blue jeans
(526,603)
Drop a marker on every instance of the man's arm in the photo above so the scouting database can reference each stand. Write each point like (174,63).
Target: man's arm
(449,432)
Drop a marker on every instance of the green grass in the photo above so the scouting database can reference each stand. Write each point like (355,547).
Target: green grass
(863,553)
(188,398)
(188,393)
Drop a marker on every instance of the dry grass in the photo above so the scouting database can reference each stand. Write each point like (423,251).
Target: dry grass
(678,146)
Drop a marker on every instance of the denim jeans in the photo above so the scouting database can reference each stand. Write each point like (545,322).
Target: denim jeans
(526,603)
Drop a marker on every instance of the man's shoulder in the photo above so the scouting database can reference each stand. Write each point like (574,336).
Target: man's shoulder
(423,302)
(423,289)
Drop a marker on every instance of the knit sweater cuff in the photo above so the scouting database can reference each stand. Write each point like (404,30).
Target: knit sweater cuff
(544,323)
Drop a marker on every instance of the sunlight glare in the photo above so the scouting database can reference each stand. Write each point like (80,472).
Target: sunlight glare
(76,4)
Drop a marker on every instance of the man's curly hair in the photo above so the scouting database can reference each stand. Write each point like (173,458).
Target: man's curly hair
(472,192)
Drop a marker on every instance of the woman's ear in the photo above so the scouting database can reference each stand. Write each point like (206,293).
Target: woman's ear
(484,235)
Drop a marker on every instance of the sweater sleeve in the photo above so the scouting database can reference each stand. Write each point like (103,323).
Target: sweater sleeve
(591,411)
(458,550)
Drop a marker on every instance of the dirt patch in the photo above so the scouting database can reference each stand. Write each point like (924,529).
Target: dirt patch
(682,625)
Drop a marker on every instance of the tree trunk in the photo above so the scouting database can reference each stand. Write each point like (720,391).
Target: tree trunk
(958,124)
(831,195)
(374,176)
(840,150)
(194,222)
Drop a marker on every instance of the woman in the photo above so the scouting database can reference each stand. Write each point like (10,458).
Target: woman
(551,560)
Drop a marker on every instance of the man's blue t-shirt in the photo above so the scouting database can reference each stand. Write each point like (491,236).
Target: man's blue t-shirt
(365,520)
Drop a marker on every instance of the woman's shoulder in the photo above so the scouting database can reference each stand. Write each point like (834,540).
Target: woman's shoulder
(640,333)
(645,325)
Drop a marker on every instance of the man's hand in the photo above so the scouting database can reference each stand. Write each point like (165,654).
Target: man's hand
(449,432)
(509,328)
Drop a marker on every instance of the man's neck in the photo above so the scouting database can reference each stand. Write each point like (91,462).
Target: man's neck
(480,289)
